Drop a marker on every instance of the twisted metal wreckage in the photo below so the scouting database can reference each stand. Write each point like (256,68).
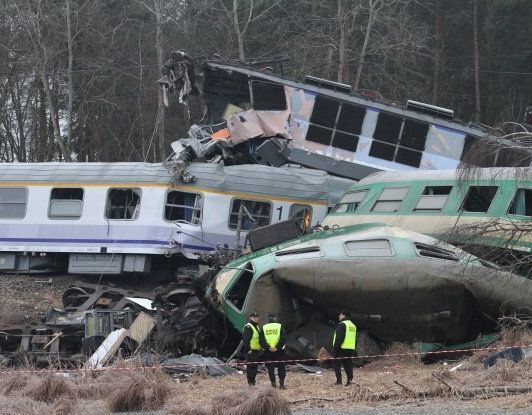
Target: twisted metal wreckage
(398,284)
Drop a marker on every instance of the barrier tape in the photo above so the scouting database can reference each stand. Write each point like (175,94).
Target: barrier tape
(257,362)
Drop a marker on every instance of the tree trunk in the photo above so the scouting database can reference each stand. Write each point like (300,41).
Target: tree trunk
(42,137)
(476,55)
(238,31)
(70,81)
(438,50)
(159,46)
(371,19)
(343,41)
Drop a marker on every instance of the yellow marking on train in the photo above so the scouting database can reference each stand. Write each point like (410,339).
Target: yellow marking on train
(192,189)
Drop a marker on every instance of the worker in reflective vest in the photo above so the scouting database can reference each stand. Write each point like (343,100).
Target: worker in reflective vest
(272,340)
(344,345)
(251,347)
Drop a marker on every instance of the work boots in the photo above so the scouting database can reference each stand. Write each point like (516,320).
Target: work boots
(281,384)
(274,385)
(338,381)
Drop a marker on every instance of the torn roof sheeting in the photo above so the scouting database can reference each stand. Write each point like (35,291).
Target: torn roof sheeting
(265,181)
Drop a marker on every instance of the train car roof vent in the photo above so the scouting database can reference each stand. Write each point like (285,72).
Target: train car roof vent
(430,109)
(325,83)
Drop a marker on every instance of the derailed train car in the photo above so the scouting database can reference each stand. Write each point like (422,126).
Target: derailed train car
(398,285)
(113,218)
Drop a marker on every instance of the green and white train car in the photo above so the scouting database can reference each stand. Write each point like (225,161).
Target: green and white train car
(437,203)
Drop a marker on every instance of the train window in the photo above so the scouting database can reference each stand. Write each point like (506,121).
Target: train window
(371,248)
(433,198)
(258,214)
(390,199)
(335,123)
(268,96)
(65,203)
(388,128)
(414,135)
(324,112)
(399,139)
(303,213)
(479,198)
(183,206)
(13,202)
(239,291)
(123,204)
(350,202)
(522,203)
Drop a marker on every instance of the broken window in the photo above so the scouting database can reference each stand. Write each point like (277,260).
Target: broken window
(65,203)
(433,198)
(350,202)
(239,291)
(434,252)
(335,123)
(479,198)
(369,248)
(268,96)
(183,206)
(390,199)
(399,139)
(260,212)
(123,204)
(13,202)
(303,213)
(522,203)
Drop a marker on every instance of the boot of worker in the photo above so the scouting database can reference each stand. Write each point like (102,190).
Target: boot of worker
(272,380)
(349,381)
(281,384)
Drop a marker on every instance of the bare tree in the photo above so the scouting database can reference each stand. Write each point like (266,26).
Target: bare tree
(476,59)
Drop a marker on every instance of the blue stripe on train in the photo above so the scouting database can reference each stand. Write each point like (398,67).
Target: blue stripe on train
(104,241)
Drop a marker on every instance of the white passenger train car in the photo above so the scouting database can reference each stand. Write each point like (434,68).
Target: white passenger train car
(113,218)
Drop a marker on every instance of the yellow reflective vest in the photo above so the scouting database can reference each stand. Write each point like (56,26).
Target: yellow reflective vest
(272,334)
(254,343)
(350,339)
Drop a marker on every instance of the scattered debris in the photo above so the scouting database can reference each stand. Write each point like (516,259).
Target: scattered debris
(515,354)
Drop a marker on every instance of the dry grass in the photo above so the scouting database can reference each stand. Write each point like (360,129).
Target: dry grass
(85,393)
(266,401)
(64,406)
(222,403)
(14,383)
(50,388)
(140,393)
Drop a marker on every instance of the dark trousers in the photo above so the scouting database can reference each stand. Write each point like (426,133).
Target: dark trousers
(347,363)
(251,368)
(279,358)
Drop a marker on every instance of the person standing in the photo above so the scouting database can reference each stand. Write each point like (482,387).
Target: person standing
(251,347)
(344,345)
(273,341)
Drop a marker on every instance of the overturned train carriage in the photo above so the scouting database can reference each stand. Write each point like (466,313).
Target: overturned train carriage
(113,218)
(399,286)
